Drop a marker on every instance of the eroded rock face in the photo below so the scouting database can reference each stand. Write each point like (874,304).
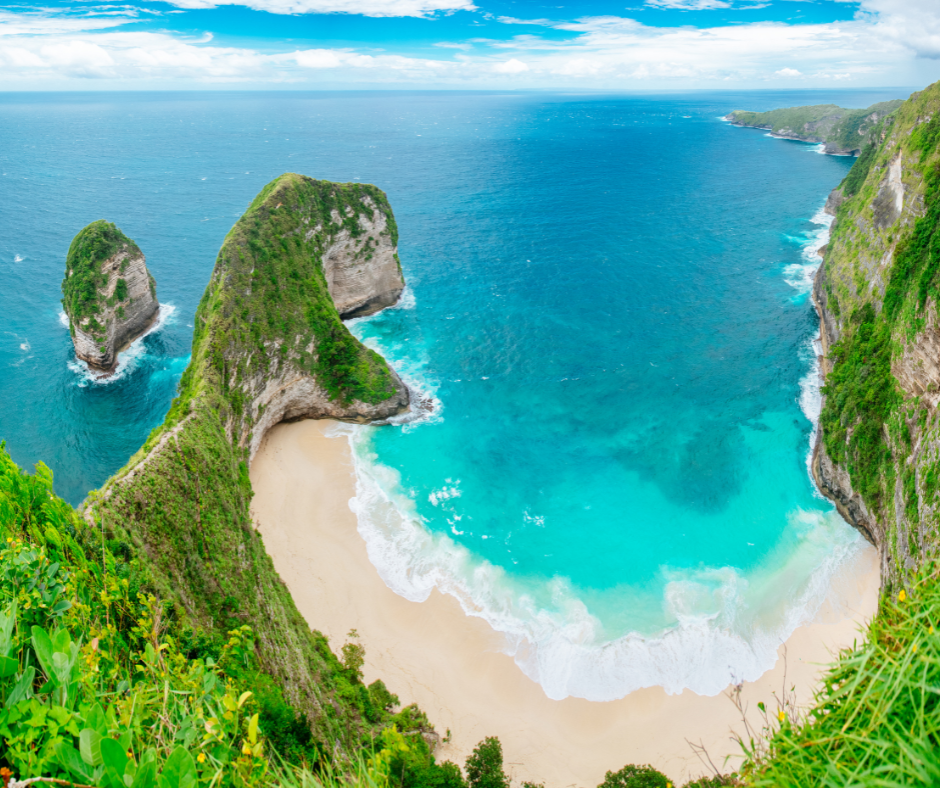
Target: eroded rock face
(110,296)
(291,396)
(363,274)
(306,255)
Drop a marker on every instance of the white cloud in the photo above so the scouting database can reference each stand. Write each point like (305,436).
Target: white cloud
(512,66)
(689,5)
(886,44)
(915,24)
(417,8)
(578,67)
(318,58)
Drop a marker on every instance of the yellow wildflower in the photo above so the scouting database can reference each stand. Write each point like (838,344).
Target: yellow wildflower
(902,596)
(915,648)
(201,757)
(930,630)
(246,750)
(781,716)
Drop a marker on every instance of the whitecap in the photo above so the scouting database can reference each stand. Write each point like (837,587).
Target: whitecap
(800,275)
(406,300)
(18,258)
(426,407)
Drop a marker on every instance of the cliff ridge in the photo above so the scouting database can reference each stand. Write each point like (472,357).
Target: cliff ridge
(269,345)
(844,132)
(877,454)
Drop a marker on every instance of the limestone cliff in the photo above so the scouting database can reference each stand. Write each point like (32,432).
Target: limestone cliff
(268,346)
(844,132)
(110,297)
(878,448)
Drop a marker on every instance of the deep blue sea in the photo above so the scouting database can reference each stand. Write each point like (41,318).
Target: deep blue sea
(607,303)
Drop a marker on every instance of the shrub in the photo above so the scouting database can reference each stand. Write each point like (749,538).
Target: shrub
(485,766)
(631,776)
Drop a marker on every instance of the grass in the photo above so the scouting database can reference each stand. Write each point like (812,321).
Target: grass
(84,279)
(876,719)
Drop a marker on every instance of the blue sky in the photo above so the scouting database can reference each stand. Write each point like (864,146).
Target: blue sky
(465,44)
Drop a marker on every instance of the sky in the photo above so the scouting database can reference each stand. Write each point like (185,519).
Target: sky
(628,45)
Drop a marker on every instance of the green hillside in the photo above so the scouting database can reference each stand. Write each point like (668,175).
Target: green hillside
(844,131)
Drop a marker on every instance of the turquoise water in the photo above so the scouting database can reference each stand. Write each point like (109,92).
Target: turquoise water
(607,312)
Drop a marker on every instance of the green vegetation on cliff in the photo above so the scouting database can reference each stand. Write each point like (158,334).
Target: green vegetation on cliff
(84,278)
(181,506)
(104,684)
(845,130)
(876,719)
(870,424)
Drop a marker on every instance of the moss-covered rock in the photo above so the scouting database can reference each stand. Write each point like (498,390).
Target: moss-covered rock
(109,296)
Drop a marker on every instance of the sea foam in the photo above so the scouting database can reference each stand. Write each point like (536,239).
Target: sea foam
(800,276)
(718,639)
(128,359)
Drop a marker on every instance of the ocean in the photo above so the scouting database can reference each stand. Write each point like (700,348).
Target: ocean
(607,306)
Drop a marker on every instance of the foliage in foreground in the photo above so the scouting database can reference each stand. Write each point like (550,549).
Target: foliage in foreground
(102,685)
(876,719)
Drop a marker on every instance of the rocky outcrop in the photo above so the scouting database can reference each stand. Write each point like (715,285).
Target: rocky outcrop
(833,201)
(305,255)
(363,274)
(110,296)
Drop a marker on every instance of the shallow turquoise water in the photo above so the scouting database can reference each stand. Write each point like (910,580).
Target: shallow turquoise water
(607,306)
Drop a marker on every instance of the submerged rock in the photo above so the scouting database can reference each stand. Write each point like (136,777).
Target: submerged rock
(110,297)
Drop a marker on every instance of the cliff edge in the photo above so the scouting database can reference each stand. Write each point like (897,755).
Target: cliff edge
(844,132)
(877,454)
(269,345)
(109,296)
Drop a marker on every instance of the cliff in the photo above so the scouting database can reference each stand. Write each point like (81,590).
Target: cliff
(110,297)
(878,447)
(268,345)
(843,131)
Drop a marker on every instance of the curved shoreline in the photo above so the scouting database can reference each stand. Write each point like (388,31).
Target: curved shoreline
(452,665)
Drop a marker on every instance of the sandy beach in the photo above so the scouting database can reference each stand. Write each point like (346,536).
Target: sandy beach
(450,664)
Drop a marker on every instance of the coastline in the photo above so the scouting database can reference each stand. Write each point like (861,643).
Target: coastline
(450,664)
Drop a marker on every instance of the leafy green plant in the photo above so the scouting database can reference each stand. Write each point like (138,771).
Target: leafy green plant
(631,776)
(485,765)
(876,719)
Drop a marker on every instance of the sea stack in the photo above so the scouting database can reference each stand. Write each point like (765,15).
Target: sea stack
(110,297)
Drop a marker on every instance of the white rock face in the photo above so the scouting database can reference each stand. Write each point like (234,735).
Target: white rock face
(363,274)
(122,321)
